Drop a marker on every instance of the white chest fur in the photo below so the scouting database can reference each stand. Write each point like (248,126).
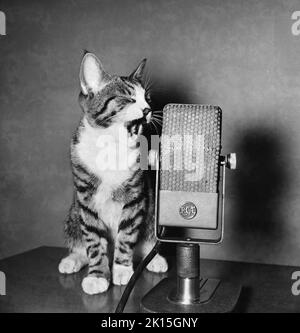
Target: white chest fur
(108,154)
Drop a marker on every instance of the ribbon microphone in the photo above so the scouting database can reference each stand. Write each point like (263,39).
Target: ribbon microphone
(190,194)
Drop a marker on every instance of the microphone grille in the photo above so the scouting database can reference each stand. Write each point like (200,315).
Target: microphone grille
(190,148)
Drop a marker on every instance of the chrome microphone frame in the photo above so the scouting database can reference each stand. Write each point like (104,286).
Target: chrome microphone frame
(228,161)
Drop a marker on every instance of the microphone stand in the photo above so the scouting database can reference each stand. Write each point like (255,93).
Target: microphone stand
(187,274)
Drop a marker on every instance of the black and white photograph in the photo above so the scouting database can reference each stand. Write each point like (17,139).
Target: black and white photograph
(149,159)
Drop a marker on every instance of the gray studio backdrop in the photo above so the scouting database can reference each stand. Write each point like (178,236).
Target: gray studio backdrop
(238,54)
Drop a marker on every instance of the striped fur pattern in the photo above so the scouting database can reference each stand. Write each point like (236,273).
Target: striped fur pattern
(112,209)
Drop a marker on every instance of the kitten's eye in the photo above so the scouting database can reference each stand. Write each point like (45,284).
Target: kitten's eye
(127,100)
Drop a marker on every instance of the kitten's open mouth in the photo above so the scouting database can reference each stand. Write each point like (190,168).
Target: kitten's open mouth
(135,126)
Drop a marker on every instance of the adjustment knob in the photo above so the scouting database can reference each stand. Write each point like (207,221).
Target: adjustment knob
(231,161)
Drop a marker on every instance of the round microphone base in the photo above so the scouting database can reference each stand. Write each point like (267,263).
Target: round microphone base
(215,297)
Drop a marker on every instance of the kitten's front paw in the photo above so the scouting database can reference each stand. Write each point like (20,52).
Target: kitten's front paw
(70,265)
(158,264)
(121,274)
(94,285)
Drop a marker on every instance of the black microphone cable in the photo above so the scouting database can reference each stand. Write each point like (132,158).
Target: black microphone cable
(141,266)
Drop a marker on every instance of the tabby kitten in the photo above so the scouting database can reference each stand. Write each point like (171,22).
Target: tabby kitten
(112,209)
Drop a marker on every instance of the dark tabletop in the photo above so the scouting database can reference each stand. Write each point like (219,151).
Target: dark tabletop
(33,284)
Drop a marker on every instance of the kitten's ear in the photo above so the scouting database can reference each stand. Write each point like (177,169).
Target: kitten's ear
(138,73)
(92,75)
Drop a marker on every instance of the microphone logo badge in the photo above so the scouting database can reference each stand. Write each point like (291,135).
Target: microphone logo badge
(188,210)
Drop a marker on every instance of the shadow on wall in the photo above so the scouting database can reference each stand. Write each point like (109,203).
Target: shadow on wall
(260,184)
